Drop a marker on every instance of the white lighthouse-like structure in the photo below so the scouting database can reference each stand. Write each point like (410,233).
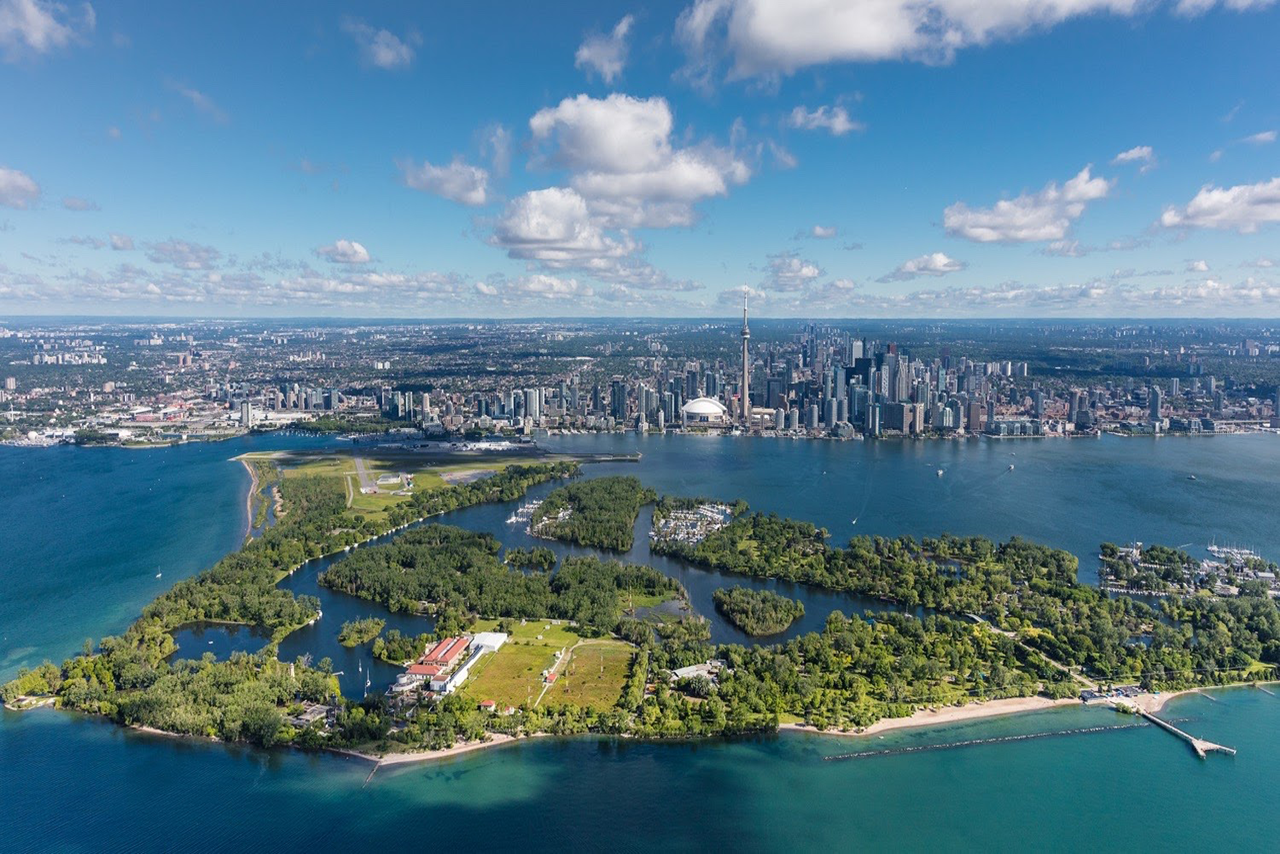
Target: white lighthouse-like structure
(746,365)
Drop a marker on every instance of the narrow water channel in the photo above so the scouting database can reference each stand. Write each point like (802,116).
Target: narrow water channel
(357,665)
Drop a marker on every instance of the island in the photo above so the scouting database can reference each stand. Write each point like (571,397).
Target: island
(600,512)
(358,632)
(590,647)
(757,612)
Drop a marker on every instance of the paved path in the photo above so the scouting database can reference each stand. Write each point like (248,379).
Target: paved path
(1088,683)
(564,661)
(366,480)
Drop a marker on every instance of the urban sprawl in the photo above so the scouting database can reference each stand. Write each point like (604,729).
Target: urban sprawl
(140,383)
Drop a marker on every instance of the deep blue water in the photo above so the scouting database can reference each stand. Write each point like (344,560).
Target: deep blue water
(87,529)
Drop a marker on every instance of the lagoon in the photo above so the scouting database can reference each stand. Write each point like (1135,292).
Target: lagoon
(86,529)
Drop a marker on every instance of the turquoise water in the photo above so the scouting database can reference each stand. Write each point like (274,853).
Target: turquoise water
(85,531)
(82,785)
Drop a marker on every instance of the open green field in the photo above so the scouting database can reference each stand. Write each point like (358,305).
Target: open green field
(513,674)
(594,676)
(631,601)
(429,471)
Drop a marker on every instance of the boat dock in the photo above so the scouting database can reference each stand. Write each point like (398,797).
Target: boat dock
(1199,745)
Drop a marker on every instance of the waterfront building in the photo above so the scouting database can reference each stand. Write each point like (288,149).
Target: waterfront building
(704,412)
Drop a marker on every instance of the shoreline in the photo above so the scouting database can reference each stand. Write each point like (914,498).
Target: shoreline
(921,718)
(1147,701)
(248,499)
(944,715)
(411,757)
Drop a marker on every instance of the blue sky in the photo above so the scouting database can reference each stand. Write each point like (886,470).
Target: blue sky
(892,158)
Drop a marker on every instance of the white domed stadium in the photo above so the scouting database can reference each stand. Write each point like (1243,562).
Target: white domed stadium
(704,412)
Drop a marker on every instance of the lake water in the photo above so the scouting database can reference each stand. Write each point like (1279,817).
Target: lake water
(86,530)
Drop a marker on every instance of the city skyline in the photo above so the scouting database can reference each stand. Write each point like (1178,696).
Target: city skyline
(857,160)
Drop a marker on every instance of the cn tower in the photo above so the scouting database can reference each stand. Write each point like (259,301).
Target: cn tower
(746,365)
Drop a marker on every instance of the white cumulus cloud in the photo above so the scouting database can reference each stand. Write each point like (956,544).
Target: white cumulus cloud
(761,37)
(555,227)
(380,48)
(34,27)
(121,242)
(1143,155)
(614,134)
(933,264)
(624,164)
(605,55)
(17,189)
(1244,208)
(344,252)
(548,287)
(1031,217)
(832,119)
(787,271)
(459,181)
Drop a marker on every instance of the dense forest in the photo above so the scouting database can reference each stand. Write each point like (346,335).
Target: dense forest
(1020,587)
(600,512)
(439,567)
(540,559)
(850,675)
(129,677)
(757,612)
(398,648)
(853,672)
(1159,569)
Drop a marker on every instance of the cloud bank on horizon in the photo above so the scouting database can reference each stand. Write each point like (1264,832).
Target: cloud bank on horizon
(1021,158)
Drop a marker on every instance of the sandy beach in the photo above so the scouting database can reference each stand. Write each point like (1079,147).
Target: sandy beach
(1151,703)
(948,715)
(494,740)
(248,498)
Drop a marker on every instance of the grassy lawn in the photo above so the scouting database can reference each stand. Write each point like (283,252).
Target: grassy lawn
(594,675)
(643,600)
(513,675)
(336,465)
(372,505)
(425,477)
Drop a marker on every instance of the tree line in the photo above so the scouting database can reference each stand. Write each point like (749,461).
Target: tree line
(601,512)
(439,567)
(757,612)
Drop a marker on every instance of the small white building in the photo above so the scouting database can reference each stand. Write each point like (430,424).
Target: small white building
(489,641)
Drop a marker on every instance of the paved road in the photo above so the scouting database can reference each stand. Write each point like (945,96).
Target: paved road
(366,480)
